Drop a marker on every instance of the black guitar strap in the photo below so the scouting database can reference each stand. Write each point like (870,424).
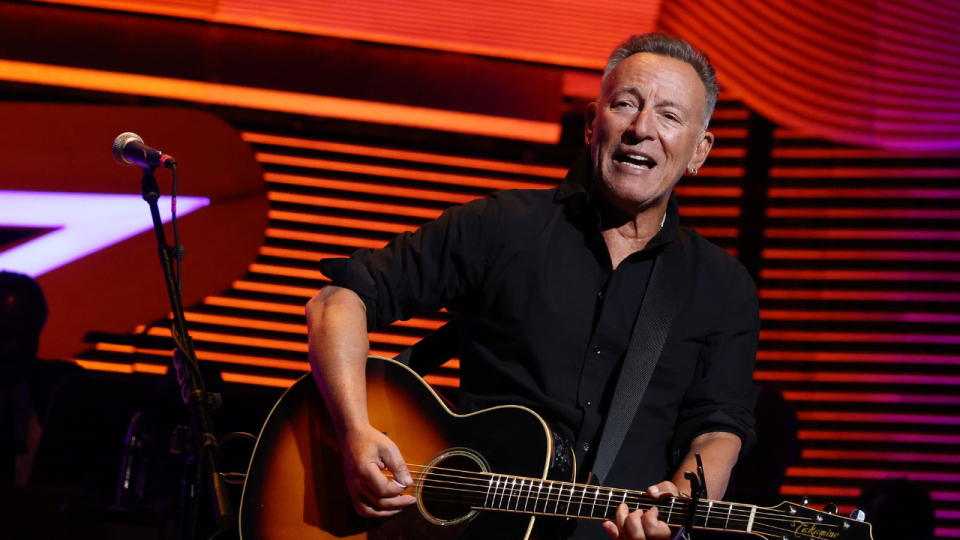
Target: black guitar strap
(432,351)
(660,302)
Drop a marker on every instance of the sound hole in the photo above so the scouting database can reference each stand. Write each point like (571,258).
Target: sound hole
(453,484)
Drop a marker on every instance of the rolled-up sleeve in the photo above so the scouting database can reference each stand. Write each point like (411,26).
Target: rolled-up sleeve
(722,396)
(430,268)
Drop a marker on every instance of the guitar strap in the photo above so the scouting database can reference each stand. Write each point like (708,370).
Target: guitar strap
(432,351)
(665,293)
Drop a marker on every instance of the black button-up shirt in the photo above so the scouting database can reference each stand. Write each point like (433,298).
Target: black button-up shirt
(546,320)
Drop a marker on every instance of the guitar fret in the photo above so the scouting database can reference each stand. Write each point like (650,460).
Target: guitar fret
(539,488)
(753,513)
(487,498)
(594,506)
(669,514)
(520,494)
(496,486)
(609,501)
(556,509)
(706,518)
(570,502)
(583,493)
(729,510)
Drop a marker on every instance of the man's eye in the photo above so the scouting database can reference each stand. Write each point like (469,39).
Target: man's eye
(621,104)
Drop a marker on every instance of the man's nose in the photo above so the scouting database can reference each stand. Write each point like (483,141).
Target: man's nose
(642,127)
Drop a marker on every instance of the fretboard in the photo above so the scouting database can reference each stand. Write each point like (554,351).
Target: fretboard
(544,497)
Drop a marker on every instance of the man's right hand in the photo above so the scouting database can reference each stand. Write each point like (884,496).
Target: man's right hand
(366,453)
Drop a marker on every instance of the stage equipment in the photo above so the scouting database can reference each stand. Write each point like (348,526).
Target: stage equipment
(198,440)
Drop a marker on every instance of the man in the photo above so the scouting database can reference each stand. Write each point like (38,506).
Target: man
(26,383)
(548,284)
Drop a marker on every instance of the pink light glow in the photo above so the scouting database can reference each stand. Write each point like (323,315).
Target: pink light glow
(878,437)
(86,222)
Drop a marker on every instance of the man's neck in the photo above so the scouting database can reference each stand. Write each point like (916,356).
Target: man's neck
(625,235)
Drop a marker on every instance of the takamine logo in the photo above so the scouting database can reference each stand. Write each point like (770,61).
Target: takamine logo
(810,530)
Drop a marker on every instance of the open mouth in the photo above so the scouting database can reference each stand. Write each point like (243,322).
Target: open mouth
(638,161)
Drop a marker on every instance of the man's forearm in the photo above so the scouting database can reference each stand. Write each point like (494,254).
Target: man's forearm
(719,451)
(337,330)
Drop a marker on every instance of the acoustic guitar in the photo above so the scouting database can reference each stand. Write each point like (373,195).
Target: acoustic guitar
(481,475)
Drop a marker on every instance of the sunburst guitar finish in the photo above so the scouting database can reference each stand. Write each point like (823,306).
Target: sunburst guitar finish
(296,488)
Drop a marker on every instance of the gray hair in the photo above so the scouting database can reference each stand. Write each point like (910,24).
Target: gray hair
(678,48)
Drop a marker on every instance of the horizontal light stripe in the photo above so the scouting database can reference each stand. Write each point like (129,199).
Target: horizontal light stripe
(710,211)
(855,397)
(718,232)
(442,380)
(805,356)
(276,100)
(708,191)
(122,368)
(836,193)
(271,288)
(406,155)
(820,491)
(237,322)
(260,380)
(837,254)
(789,315)
(861,213)
(394,172)
(297,254)
(859,275)
(924,438)
(892,172)
(857,153)
(807,472)
(333,239)
(885,296)
(811,453)
(861,234)
(868,378)
(377,208)
(370,188)
(286,271)
(858,337)
(335,221)
(885,418)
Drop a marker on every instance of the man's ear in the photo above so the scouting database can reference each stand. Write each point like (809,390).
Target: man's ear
(703,149)
(590,116)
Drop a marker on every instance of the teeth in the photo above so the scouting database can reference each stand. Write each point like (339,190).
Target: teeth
(636,160)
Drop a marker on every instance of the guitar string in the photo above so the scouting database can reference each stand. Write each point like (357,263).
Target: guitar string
(581,494)
(583,499)
(759,526)
(633,496)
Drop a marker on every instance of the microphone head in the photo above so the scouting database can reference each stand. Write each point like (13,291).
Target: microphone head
(122,141)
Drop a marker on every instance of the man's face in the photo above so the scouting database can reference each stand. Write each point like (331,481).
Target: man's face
(646,129)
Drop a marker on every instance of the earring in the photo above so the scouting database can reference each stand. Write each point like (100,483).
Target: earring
(692,171)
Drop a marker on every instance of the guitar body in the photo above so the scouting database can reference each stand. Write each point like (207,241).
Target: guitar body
(296,488)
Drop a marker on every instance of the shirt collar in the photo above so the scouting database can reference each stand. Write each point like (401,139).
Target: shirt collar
(579,180)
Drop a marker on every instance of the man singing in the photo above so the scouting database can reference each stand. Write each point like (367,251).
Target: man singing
(548,285)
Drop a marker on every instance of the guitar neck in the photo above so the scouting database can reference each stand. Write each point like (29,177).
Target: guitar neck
(566,499)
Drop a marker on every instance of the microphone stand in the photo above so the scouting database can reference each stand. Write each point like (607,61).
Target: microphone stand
(204,448)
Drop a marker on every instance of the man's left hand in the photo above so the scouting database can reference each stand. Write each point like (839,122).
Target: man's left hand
(640,525)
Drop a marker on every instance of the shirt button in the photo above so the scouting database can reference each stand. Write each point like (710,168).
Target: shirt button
(586,447)
(600,295)
(589,403)
(596,350)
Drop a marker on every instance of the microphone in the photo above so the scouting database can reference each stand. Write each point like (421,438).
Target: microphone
(128,149)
